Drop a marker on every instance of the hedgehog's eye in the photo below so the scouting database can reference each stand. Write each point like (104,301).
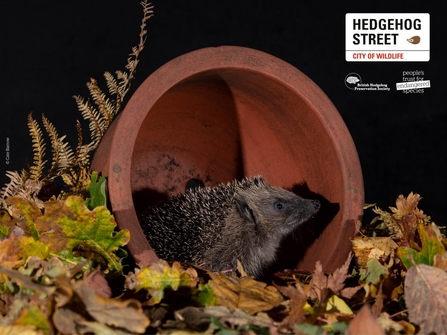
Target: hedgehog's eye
(279,206)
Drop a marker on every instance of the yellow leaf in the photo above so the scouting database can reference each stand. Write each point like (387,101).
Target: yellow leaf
(335,302)
(159,276)
(70,224)
(244,293)
(15,250)
(19,329)
(33,316)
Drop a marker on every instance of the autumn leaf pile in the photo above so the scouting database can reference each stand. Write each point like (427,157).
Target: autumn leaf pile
(64,270)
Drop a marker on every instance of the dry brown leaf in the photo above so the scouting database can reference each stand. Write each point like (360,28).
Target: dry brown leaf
(440,261)
(364,324)
(408,205)
(377,307)
(245,293)
(99,284)
(321,286)
(336,281)
(237,317)
(126,314)
(318,284)
(409,225)
(66,320)
(9,253)
(426,298)
(366,248)
(298,299)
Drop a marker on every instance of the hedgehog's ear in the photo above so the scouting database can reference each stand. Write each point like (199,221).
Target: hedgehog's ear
(244,208)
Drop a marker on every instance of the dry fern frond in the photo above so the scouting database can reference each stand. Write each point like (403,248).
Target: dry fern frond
(66,156)
(25,188)
(133,59)
(111,83)
(118,87)
(96,123)
(106,108)
(36,170)
(14,186)
(83,151)
(55,146)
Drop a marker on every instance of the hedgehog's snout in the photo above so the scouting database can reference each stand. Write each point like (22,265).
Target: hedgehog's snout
(316,205)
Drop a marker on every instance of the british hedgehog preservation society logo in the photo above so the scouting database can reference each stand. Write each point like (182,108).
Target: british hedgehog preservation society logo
(354,82)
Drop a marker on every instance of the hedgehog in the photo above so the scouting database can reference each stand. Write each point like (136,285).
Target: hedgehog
(214,227)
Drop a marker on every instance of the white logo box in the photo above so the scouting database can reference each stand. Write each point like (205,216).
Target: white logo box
(376,37)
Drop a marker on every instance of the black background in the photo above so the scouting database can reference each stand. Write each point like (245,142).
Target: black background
(50,49)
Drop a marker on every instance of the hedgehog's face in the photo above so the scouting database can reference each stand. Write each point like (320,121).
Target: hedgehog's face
(275,210)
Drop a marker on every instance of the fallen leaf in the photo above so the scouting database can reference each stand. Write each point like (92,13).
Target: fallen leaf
(33,316)
(440,261)
(67,320)
(373,272)
(407,206)
(431,246)
(333,328)
(92,327)
(318,284)
(322,286)
(192,318)
(335,303)
(367,248)
(26,281)
(240,269)
(69,224)
(9,253)
(426,298)
(337,279)
(236,319)
(24,214)
(17,329)
(245,293)
(377,307)
(404,218)
(409,225)
(159,276)
(99,284)
(364,324)
(126,314)
(298,300)
(390,326)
